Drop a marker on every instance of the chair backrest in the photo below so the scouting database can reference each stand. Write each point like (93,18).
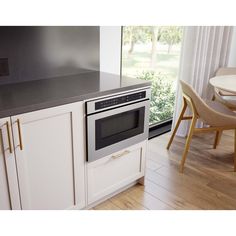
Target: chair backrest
(226,71)
(206,113)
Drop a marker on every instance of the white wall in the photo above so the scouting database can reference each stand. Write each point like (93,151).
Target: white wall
(232,55)
(110,49)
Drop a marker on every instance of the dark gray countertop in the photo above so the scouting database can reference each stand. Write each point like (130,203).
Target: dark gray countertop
(39,94)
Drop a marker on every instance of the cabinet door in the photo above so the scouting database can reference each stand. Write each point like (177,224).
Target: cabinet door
(9,192)
(49,147)
(109,174)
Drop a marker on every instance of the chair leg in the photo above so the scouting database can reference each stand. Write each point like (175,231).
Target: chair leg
(187,144)
(235,150)
(217,138)
(177,125)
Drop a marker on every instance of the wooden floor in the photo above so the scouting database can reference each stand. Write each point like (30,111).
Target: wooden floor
(208,181)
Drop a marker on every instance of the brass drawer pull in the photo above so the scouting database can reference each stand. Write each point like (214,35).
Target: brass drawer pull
(9,136)
(120,155)
(19,132)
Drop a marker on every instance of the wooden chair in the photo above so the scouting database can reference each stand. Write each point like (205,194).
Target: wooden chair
(217,116)
(226,98)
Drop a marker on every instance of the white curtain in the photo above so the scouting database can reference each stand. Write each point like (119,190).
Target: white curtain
(204,50)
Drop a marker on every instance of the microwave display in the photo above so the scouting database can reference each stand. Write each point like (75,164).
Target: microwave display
(112,129)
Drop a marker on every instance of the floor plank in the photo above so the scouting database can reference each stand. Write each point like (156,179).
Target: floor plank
(199,195)
(124,202)
(107,205)
(153,165)
(147,200)
(168,197)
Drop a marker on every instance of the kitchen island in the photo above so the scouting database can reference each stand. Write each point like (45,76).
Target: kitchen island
(43,162)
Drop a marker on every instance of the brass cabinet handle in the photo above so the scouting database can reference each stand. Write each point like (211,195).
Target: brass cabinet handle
(9,136)
(120,154)
(19,132)
(1,140)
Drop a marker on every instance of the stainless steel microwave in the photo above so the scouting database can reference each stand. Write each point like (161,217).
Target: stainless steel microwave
(116,122)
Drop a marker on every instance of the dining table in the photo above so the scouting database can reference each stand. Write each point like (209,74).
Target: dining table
(224,82)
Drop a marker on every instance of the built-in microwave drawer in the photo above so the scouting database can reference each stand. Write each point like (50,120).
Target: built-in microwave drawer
(109,174)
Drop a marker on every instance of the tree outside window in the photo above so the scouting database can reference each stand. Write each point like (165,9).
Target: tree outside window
(152,53)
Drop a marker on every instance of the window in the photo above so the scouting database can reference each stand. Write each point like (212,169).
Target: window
(153,53)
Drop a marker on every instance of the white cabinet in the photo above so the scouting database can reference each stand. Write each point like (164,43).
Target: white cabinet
(9,193)
(49,150)
(43,162)
(115,171)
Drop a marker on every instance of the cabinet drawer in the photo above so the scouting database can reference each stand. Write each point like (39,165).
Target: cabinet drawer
(115,171)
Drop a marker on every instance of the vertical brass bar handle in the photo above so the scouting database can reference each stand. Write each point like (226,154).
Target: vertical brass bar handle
(9,136)
(19,132)
(1,142)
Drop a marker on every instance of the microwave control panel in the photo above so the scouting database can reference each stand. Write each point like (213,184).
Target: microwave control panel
(119,100)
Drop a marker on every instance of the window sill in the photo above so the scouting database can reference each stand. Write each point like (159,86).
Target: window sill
(159,129)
